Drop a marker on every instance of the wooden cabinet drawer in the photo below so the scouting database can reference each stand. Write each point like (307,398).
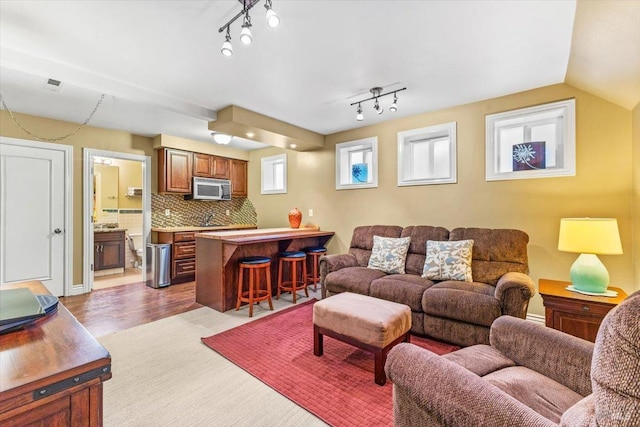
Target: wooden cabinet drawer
(184,250)
(185,236)
(182,267)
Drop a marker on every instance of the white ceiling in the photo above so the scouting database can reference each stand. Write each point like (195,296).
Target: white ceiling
(159,62)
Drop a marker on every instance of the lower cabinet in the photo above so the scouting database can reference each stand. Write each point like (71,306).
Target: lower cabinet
(108,250)
(183,254)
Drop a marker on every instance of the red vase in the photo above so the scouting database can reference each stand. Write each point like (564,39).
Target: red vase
(295,218)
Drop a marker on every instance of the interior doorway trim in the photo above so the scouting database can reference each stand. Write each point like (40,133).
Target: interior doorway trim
(87,167)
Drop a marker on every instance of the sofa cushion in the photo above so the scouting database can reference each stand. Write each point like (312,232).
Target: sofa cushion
(389,254)
(403,288)
(418,247)
(542,394)
(470,302)
(362,240)
(480,359)
(495,252)
(448,260)
(352,279)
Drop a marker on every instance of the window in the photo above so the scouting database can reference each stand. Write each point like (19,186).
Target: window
(357,164)
(531,142)
(274,174)
(427,155)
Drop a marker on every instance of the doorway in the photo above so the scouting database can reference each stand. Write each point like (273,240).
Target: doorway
(117,217)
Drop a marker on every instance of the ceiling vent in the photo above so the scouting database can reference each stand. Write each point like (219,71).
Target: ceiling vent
(53,85)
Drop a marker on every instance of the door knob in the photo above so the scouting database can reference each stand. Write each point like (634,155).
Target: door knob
(57,231)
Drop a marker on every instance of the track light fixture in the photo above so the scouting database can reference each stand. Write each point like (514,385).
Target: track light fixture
(273,20)
(376,93)
(227,49)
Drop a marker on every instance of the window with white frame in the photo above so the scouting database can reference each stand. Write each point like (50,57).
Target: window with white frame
(427,155)
(531,142)
(357,164)
(274,174)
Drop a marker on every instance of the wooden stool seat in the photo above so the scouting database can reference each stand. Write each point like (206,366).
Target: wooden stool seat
(293,285)
(314,253)
(254,294)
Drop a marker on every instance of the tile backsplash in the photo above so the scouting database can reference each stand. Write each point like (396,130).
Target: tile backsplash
(185,213)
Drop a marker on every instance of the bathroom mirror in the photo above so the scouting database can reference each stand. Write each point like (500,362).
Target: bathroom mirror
(105,187)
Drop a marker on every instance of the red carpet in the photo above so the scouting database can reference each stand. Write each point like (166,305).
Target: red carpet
(337,387)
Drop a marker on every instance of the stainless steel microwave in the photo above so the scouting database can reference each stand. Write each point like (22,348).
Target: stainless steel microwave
(210,189)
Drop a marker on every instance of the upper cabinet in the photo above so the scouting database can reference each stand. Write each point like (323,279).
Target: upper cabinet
(174,171)
(176,168)
(220,167)
(238,178)
(208,166)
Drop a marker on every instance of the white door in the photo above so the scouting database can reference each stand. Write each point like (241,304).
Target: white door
(32,215)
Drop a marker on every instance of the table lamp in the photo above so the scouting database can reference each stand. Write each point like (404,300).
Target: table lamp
(589,237)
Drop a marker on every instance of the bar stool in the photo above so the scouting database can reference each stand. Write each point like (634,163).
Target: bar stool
(254,265)
(294,285)
(314,253)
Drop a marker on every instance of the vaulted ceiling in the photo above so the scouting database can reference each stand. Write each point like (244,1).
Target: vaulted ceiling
(160,67)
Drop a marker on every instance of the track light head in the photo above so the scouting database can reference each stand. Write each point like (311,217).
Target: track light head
(245,34)
(394,106)
(227,48)
(377,107)
(359,116)
(273,20)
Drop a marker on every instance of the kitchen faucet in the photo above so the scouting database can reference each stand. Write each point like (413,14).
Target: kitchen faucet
(208,217)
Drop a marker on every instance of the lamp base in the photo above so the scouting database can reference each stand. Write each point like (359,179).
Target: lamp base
(589,274)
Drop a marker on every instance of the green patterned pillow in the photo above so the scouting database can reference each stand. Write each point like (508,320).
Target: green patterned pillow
(388,254)
(448,260)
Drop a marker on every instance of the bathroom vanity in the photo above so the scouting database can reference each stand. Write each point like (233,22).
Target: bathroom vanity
(108,249)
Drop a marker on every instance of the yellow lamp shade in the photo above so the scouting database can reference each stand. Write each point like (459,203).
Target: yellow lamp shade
(590,236)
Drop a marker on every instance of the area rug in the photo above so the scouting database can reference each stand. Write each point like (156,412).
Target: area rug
(337,387)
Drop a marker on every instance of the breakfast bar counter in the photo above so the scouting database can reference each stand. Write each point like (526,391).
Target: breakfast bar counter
(218,252)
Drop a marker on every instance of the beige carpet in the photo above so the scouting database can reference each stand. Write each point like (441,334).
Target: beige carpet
(164,376)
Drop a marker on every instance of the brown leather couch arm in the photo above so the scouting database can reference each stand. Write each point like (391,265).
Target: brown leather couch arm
(514,290)
(559,356)
(429,390)
(335,262)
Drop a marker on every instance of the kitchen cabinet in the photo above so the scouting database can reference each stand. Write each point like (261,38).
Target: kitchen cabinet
(109,250)
(208,166)
(183,254)
(174,171)
(220,167)
(238,176)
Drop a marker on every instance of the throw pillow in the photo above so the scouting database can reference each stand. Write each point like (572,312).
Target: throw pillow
(389,254)
(448,260)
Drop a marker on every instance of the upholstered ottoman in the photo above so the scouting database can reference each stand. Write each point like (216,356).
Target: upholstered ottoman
(372,324)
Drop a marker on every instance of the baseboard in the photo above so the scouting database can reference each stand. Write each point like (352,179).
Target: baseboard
(536,318)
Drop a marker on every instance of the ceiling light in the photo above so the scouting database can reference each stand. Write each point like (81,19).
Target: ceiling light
(377,107)
(221,138)
(394,106)
(293,145)
(250,134)
(245,34)
(273,20)
(227,49)
(376,93)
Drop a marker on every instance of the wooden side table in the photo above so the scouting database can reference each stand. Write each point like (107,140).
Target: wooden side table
(575,313)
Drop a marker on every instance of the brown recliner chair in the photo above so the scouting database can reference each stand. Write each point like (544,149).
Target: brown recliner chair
(530,375)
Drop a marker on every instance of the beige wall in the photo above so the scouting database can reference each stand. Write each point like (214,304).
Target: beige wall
(636,194)
(601,188)
(129,175)
(87,137)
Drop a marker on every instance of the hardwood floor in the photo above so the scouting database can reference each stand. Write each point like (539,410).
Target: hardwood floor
(104,311)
